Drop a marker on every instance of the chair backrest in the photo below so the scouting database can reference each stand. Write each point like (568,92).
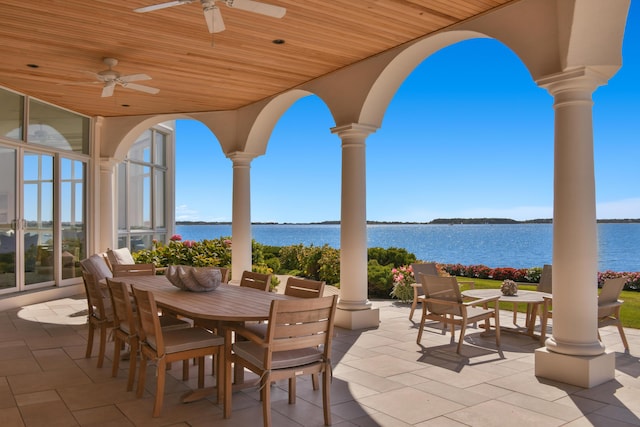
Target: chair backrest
(149,329)
(224,272)
(123,315)
(304,288)
(255,280)
(99,302)
(424,268)
(545,280)
(122,270)
(301,324)
(611,290)
(442,288)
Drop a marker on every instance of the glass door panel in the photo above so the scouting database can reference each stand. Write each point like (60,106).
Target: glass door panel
(72,217)
(38,218)
(7,218)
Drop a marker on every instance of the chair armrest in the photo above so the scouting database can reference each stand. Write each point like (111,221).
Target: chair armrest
(482,301)
(610,305)
(240,330)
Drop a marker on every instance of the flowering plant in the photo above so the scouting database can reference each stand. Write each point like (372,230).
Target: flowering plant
(403,278)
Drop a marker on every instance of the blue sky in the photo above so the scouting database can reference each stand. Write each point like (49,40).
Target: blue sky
(469,134)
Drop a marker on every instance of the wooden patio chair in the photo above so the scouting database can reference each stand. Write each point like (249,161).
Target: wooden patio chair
(431,268)
(442,302)
(224,273)
(418,269)
(100,314)
(304,288)
(123,270)
(297,342)
(609,306)
(126,329)
(164,347)
(253,280)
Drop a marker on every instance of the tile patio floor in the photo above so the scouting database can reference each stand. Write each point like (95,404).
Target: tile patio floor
(381,378)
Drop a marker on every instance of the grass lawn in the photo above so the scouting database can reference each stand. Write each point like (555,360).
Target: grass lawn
(630,313)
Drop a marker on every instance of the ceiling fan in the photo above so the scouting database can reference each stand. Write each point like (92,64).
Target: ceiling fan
(112,78)
(212,13)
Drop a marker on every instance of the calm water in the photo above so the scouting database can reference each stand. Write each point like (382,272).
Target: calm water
(517,245)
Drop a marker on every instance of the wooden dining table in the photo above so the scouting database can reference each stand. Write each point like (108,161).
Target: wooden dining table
(227,303)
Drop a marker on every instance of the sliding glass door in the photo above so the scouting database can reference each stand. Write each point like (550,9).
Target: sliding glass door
(7,218)
(38,240)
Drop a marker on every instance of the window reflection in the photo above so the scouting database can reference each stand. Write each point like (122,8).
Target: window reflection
(142,209)
(57,128)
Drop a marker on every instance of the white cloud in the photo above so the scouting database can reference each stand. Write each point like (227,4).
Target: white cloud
(184,213)
(619,209)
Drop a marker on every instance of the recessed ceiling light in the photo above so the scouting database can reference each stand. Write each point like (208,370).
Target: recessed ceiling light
(278,41)
(33,66)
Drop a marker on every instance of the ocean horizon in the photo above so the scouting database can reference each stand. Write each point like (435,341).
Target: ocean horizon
(519,245)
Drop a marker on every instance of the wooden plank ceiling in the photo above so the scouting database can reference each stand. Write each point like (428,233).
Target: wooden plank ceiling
(194,70)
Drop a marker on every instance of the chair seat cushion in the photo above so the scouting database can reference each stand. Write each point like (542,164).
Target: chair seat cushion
(478,313)
(281,359)
(177,340)
(170,322)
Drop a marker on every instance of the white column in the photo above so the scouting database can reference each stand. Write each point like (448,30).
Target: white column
(106,214)
(574,354)
(241,214)
(354,308)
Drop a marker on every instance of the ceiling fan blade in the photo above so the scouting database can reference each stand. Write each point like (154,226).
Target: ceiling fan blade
(108,88)
(257,7)
(214,19)
(162,6)
(134,78)
(141,88)
(96,76)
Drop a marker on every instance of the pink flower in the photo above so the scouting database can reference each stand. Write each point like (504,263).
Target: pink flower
(227,242)
(176,238)
(188,243)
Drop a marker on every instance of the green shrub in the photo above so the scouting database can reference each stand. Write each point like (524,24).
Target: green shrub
(310,261)
(215,253)
(266,270)
(329,265)
(402,292)
(394,256)
(379,279)
(257,253)
(534,274)
(291,257)
(273,264)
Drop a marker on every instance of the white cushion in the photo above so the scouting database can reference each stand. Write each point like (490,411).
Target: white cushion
(120,256)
